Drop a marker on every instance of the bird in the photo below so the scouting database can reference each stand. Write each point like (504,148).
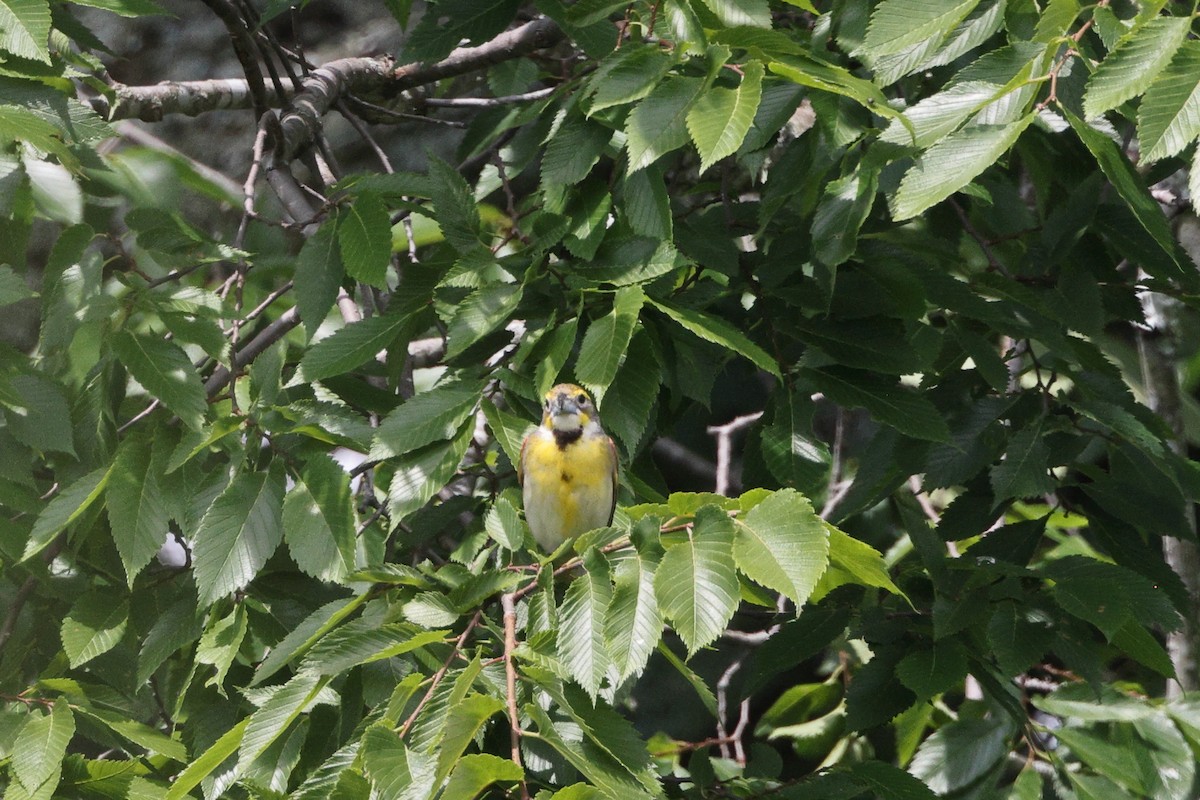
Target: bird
(567,469)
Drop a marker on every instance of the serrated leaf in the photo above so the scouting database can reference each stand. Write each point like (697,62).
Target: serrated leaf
(719,120)
(628,74)
(607,338)
(37,413)
(658,124)
(781,544)
(939,114)
(952,163)
(39,749)
(454,207)
(958,753)
(933,671)
(463,722)
(1016,642)
(25,31)
(63,509)
(601,769)
(629,399)
(94,625)
(645,204)
(425,418)
(206,762)
(351,346)
(898,24)
(1135,62)
(633,623)
(475,772)
(363,642)
(1024,470)
(581,644)
(137,511)
(503,524)
(508,429)
(237,534)
(477,21)
(318,276)
(844,207)
(1169,116)
(572,152)
(364,233)
(165,371)
(696,581)
(420,474)
(272,720)
(318,521)
(483,311)
(56,192)
(888,402)
(716,330)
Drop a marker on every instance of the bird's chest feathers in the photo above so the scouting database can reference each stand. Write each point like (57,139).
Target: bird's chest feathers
(570,467)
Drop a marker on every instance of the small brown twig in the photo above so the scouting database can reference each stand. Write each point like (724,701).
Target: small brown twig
(509,605)
(441,673)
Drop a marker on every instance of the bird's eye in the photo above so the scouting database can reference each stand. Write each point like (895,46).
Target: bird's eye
(582,399)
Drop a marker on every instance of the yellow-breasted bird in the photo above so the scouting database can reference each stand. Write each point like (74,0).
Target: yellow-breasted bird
(568,469)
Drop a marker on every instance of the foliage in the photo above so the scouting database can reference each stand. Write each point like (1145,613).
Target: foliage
(912,234)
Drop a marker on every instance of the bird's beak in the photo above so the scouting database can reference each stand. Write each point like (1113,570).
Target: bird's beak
(563,404)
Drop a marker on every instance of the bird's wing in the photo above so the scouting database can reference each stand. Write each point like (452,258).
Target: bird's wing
(612,457)
(521,459)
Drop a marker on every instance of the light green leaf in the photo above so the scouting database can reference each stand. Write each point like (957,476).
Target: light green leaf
(474,773)
(481,313)
(419,475)
(318,521)
(940,114)
(629,74)
(581,632)
(718,331)
(1169,116)
(25,30)
(272,720)
(862,563)
(425,418)
(607,338)
(463,722)
(364,641)
(301,638)
(696,582)
(94,625)
(39,749)
(958,753)
(396,771)
(898,24)
(508,429)
(781,544)
(55,190)
(142,735)
(952,163)
(719,119)
(1135,62)
(220,642)
(64,509)
(597,766)
(165,371)
(238,534)
(137,511)
(503,524)
(351,346)
(124,8)
(844,207)
(318,276)
(658,124)
(208,761)
(732,13)
(633,623)
(1055,19)
(364,233)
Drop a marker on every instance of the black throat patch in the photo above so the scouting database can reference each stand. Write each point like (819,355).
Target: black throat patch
(564,438)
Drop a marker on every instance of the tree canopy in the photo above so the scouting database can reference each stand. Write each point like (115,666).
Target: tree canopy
(888,306)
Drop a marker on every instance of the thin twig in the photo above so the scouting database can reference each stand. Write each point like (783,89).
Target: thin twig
(724,434)
(508,604)
(487,102)
(441,673)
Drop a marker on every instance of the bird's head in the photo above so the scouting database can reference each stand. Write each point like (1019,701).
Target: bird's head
(567,408)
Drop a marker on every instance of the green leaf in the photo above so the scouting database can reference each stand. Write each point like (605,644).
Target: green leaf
(781,544)
(238,534)
(607,338)
(40,747)
(860,562)
(633,623)
(463,723)
(1129,185)
(1134,64)
(454,206)
(940,114)
(305,634)
(645,204)
(55,191)
(427,417)
(629,74)
(220,642)
(209,760)
(658,124)
(629,400)
(844,207)
(165,371)
(272,720)
(732,13)
(12,287)
(318,276)
(952,163)
(605,772)
(64,509)
(25,31)
(572,152)
(482,312)
(1024,472)
(141,735)
(958,753)
(581,644)
(934,670)
(437,34)
(37,413)
(420,474)
(1016,642)
(124,8)
(364,233)
(364,641)
(503,524)
(718,331)
(351,346)
(898,24)
(888,402)
(318,521)
(474,773)
(508,429)
(94,625)
(696,582)
(1169,116)
(719,120)
(137,510)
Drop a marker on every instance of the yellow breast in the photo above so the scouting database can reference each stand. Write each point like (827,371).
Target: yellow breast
(567,490)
